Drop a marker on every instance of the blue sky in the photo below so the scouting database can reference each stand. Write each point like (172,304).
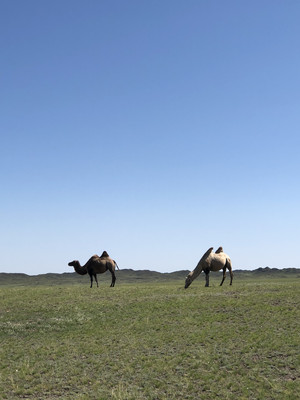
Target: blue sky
(150,129)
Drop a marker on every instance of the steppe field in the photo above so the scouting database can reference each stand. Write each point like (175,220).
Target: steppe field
(152,340)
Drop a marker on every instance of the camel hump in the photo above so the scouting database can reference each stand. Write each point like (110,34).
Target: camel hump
(205,255)
(220,250)
(209,251)
(104,254)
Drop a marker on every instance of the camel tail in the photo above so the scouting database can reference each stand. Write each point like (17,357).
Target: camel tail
(116,265)
(228,264)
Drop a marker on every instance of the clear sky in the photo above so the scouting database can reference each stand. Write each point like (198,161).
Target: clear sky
(150,129)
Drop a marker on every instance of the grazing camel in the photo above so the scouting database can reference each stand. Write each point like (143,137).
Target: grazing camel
(211,262)
(96,265)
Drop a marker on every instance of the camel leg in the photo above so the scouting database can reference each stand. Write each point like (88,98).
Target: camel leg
(224,275)
(113,278)
(206,271)
(229,267)
(231,275)
(91,276)
(95,276)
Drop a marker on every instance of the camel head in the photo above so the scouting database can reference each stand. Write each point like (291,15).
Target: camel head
(188,281)
(74,263)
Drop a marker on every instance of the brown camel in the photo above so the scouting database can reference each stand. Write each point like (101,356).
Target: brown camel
(96,265)
(211,262)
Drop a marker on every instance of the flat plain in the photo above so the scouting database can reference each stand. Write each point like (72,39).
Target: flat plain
(151,340)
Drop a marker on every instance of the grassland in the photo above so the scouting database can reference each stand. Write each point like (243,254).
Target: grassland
(151,341)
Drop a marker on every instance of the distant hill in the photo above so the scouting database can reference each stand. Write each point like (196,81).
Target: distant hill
(123,276)
(131,276)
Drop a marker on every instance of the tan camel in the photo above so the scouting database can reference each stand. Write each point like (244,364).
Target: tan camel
(211,262)
(96,265)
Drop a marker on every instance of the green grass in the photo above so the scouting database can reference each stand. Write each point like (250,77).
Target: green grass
(151,341)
